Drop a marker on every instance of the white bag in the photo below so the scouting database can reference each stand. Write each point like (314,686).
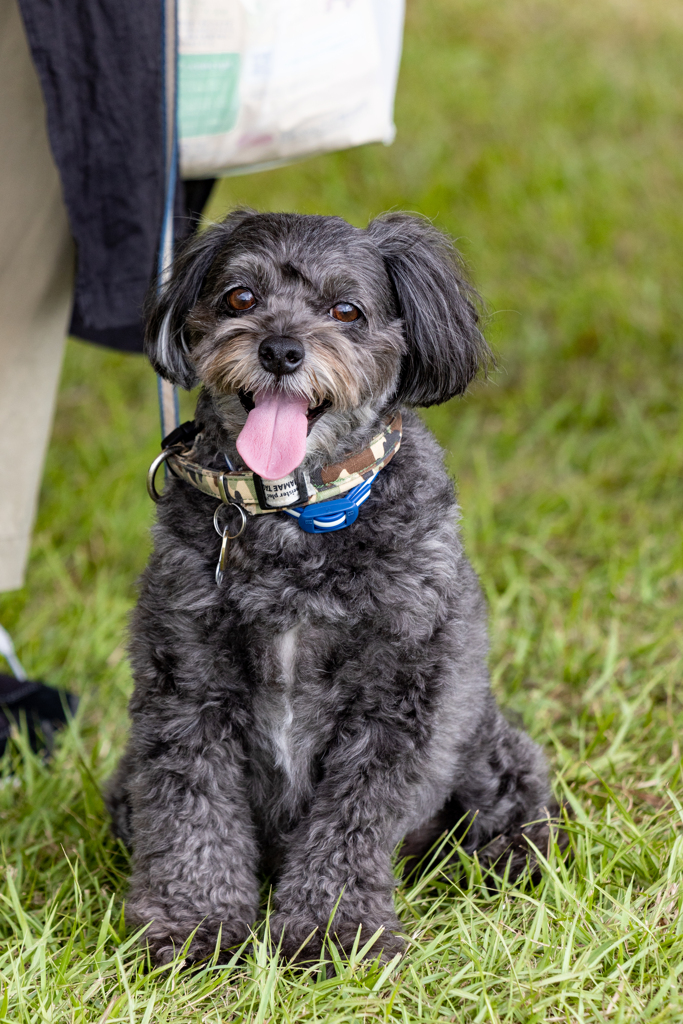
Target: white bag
(264,82)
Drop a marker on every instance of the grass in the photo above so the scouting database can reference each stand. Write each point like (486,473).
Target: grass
(547,137)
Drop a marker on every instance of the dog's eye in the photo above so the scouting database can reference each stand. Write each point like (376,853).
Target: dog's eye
(345,311)
(240,298)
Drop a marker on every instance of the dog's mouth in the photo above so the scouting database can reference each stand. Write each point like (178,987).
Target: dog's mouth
(273,440)
(312,414)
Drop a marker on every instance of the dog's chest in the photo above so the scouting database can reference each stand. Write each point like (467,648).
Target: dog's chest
(283,734)
(288,729)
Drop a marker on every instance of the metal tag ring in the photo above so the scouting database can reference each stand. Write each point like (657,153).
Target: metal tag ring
(152,472)
(224,531)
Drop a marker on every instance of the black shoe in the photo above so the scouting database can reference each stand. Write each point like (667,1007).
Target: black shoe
(44,707)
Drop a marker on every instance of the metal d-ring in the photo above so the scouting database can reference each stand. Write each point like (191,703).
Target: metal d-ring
(224,531)
(152,472)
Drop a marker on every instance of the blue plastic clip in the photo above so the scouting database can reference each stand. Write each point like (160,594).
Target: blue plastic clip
(326,516)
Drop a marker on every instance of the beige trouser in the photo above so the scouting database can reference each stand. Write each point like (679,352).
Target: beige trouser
(36,279)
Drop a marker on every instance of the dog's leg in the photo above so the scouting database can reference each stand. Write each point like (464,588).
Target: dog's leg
(194,851)
(501,806)
(340,854)
(507,793)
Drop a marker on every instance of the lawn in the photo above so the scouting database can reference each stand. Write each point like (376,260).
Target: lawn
(548,138)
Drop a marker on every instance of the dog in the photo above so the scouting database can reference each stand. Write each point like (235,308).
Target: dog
(329,701)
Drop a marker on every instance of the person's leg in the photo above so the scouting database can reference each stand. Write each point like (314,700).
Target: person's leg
(36,279)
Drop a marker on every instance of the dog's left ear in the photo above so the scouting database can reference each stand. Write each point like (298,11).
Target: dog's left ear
(438,308)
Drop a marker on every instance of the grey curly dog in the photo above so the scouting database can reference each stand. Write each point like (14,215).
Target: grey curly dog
(330,700)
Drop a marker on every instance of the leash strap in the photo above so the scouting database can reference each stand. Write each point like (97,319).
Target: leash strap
(169,413)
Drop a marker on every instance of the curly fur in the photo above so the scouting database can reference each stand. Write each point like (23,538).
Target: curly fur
(331,700)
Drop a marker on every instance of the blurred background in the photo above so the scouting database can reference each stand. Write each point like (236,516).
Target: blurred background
(547,138)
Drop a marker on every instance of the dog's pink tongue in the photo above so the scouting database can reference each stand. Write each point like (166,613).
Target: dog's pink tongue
(273,440)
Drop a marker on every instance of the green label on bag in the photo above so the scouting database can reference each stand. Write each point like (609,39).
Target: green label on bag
(207,93)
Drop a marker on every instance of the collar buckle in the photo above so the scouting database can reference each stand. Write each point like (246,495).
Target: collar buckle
(336,514)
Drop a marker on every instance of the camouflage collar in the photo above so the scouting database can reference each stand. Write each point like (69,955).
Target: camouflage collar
(258,496)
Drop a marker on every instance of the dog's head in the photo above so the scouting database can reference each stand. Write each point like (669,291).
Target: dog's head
(311,322)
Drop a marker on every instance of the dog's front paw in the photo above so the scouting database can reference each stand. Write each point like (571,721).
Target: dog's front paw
(167,932)
(302,939)
(385,947)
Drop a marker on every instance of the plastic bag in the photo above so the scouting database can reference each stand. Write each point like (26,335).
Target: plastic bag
(264,82)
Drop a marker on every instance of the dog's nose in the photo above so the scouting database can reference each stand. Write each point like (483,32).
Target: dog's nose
(280,355)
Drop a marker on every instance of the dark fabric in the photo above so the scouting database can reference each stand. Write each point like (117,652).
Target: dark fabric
(192,198)
(101,71)
(44,708)
(125,339)
(100,67)
(196,195)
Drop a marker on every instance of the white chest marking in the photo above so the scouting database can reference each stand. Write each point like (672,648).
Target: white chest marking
(281,735)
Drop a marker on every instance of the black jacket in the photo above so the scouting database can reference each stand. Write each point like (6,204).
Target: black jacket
(100,65)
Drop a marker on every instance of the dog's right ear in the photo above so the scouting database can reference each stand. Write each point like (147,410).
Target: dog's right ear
(167,308)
